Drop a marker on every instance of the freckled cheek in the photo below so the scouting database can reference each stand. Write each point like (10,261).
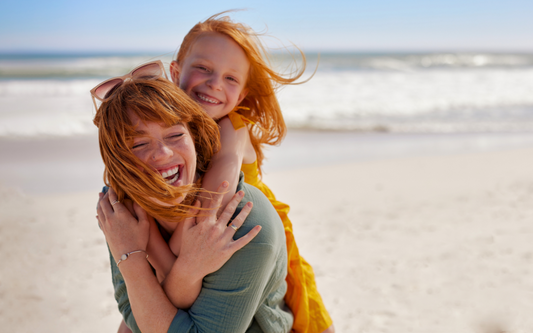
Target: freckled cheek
(144,157)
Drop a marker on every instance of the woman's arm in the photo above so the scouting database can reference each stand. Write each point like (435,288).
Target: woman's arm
(226,164)
(136,288)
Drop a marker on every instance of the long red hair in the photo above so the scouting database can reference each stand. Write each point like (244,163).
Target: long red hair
(157,101)
(262,83)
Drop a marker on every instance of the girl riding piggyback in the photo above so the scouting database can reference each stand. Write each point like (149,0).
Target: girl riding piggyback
(222,66)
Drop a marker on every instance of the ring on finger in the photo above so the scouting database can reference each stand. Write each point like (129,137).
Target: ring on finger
(234,227)
(115,202)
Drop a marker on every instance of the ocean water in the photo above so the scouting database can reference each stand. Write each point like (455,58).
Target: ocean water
(398,93)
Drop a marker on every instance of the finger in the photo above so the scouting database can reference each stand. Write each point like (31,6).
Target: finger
(191,221)
(140,212)
(230,208)
(113,199)
(105,206)
(239,219)
(216,198)
(129,206)
(100,216)
(241,242)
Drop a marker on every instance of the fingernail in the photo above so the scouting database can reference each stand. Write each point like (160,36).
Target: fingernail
(249,204)
(241,193)
(225,184)
(100,194)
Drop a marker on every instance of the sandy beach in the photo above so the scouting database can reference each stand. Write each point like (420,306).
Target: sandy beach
(434,240)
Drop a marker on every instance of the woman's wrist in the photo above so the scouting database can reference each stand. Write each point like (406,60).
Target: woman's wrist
(133,264)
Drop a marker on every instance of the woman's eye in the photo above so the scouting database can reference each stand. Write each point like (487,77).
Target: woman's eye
(175,136)
(138,145)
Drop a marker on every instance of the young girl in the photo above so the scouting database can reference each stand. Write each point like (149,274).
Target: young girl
(221,65)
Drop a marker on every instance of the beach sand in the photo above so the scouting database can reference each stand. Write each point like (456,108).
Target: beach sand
(429,242)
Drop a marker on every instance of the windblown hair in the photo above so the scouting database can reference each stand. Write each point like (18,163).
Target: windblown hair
(262,83)
(157,101)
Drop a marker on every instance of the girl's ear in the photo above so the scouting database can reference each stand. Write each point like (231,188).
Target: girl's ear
(242,95)
(175,72)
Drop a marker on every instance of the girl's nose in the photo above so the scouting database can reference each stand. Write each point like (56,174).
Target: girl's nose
(215,82)
(161,152)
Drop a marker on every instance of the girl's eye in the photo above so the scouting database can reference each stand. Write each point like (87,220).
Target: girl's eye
(202,68)
(232,79)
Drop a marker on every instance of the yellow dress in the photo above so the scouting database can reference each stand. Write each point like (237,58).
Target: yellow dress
(310,314)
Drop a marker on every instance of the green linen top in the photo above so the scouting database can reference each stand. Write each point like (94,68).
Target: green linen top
(246,294)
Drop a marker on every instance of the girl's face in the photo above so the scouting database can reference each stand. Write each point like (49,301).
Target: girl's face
(168,150)
(214,74)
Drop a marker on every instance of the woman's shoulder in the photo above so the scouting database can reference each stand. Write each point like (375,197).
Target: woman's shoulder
(263,214)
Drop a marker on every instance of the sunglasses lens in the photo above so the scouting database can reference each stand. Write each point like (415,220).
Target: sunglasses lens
(106,88)
(149,71)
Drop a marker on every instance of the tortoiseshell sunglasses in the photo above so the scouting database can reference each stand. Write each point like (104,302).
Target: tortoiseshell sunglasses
(152,70)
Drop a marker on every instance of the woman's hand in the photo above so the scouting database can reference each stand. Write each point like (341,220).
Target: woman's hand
(123,232)
(207,242)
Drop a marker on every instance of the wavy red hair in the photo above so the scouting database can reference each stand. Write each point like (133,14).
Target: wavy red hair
(157,101)
(262,83)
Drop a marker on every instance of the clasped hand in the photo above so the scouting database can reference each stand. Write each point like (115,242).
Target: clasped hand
(207,241)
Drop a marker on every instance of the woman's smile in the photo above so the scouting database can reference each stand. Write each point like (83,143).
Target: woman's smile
(169,150)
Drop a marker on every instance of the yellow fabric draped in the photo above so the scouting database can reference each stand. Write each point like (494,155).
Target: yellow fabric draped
(310,314)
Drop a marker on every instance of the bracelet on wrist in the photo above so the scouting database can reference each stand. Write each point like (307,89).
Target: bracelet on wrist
(125,256)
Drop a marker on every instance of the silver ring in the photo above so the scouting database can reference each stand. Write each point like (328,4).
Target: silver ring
(114,202)
(234,227)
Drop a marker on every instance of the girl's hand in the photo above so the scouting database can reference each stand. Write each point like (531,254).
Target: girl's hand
(123,232)
(207,242)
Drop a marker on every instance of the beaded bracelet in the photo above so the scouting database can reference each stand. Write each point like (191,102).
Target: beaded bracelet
(126,255)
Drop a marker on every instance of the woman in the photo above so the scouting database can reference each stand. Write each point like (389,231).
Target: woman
(147,126)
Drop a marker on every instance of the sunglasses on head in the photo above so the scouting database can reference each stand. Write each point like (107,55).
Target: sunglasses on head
(149,71)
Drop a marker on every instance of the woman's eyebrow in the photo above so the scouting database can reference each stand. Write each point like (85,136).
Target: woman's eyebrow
(139,133)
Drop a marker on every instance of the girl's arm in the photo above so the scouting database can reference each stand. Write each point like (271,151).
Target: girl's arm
(160,256)
(226,164)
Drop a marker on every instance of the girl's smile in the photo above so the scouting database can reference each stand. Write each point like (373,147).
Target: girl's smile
(214,74)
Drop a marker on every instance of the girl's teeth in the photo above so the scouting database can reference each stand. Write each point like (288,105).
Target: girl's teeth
(203,98)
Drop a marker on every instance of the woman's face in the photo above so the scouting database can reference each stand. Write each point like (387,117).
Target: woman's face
(168,150)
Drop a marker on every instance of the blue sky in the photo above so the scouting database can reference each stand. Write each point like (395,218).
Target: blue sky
(377,25)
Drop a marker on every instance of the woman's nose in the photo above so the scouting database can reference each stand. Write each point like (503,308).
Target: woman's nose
(161,152)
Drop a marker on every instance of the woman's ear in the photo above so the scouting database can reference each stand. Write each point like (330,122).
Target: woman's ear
(175,72)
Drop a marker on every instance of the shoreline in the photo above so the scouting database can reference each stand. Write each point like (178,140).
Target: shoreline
(48,165)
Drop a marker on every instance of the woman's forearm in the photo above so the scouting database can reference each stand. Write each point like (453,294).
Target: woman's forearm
(151,308)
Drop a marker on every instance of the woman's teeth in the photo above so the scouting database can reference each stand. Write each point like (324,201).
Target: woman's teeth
(171,173)
(207,99)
